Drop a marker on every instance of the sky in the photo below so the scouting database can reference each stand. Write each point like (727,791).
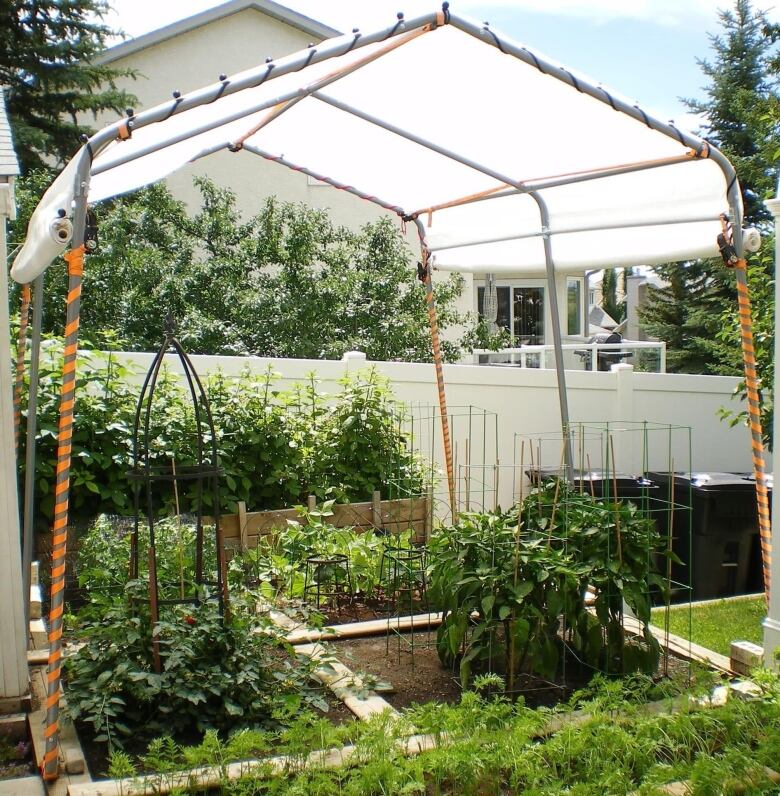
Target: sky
(647,50)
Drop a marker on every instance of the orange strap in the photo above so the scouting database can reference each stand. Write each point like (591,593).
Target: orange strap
(75,260)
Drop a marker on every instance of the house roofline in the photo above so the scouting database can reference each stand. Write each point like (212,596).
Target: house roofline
(9,163)
(268,7)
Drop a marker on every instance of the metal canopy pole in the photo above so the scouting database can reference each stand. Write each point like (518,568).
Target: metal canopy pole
(75,259)
(571,230)
(281,160)
(415,139)
(28,533)
(751,387)
(563,398)
(541,183)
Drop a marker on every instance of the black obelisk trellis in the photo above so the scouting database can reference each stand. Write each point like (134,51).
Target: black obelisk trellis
(150,470)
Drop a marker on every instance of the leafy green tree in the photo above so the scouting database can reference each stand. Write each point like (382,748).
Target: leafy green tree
(47,64)
(285,283)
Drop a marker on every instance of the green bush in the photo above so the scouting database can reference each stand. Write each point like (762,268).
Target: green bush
(525,574)
(216,674)
(275,446)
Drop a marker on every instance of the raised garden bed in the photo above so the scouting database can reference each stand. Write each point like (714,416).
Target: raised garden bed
(242,531)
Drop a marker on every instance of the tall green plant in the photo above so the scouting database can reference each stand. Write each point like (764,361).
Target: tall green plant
(275,446)
(524,574)
(287,282)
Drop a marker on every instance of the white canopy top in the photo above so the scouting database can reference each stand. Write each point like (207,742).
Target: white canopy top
(487,144)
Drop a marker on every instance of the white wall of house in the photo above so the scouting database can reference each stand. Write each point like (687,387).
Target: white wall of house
(525,402)
(537,281)
(196,58)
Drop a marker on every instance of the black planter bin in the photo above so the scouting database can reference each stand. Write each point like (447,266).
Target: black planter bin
(647,495)
(715,531)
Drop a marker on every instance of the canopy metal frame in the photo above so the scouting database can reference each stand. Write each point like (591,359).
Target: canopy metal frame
(397,34)
(406,30)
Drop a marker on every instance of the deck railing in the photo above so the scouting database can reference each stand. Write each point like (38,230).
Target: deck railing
(649,357)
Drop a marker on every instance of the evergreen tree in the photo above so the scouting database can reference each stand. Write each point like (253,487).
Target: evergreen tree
(740,113)
(47,54)
(609,300)
(741,106)
(686,315)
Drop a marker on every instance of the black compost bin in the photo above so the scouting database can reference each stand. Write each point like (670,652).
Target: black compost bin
(715,531)
(600,483)
(643,491)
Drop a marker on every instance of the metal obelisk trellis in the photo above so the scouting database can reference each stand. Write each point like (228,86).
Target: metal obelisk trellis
(150,470)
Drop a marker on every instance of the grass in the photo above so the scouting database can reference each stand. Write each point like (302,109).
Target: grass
(717,624)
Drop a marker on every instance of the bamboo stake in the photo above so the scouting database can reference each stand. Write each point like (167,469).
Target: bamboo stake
(468,477)
(555,496)
(617,505)
(178,528)
(590,480)
(521,479)
(670,525)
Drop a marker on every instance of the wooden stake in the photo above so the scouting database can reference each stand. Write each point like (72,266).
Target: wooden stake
(179,545)
(590,480)
(617,505)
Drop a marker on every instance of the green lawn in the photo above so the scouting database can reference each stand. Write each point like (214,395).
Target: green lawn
(716,625)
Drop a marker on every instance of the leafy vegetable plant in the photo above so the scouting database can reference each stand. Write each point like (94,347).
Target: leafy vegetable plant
(512,586)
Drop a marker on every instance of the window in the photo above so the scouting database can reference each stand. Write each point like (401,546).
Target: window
(520,310)
(529,315)
(503,316)
(573,306)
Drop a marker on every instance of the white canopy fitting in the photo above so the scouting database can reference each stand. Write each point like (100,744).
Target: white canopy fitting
(443,120)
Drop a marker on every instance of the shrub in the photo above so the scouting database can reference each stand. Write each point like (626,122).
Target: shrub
(216,674)
(275,446)
(525,573)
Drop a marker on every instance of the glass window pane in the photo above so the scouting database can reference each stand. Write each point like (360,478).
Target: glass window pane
(529,315)
(503,315)
(574,306)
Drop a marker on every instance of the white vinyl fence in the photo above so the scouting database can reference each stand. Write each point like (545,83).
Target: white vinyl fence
(525,405)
